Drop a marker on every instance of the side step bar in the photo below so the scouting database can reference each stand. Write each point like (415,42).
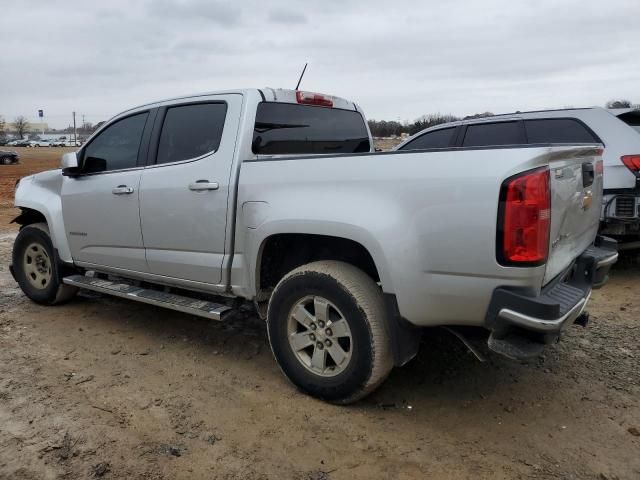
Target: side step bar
(201,308)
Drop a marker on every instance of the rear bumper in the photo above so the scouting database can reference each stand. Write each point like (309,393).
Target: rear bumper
(521,324)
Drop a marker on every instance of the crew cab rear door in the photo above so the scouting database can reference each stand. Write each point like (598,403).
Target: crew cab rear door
(184,190)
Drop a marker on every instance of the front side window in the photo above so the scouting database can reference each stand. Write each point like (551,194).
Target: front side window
(490,134)
(190,131)
(435,139)
(289,128)
(558,130)
(116,147)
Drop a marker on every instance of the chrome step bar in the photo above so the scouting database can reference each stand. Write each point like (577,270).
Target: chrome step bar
(201,308)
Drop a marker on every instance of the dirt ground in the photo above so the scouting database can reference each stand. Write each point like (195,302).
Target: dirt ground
(104,388)
(32,160)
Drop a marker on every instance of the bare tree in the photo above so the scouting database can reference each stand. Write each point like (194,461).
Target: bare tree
(620,103)
(3,128)
(430,120)
(479,115)
(86,128)
(21,125)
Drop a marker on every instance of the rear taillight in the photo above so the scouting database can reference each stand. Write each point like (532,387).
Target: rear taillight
(310,98)
(632,162)
(524,219)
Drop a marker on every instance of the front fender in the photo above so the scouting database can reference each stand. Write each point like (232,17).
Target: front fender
(42,193)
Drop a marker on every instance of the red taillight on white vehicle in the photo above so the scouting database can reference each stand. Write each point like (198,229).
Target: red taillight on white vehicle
(632,162)
(310,98)
(525,219)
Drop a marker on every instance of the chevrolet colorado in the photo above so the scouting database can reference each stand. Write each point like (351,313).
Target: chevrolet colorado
(275,199)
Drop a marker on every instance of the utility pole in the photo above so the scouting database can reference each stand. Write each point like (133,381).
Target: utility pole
(41,116)
(75,141)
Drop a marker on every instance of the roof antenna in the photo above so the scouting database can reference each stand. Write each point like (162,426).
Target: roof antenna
(301,75)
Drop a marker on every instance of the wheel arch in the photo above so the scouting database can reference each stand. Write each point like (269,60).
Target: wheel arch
(40,199)
(280,252)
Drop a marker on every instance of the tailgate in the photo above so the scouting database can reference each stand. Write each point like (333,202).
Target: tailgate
(576,196)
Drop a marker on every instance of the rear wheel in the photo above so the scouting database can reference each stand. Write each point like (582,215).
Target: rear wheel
(6,161)
(36,267)
(326,324)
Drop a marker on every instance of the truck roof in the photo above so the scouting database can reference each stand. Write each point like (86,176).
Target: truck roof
(268,94)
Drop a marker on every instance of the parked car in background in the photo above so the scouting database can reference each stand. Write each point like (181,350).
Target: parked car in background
(274,200)
(20,142)
(8,158)
(39,143)
(617,129)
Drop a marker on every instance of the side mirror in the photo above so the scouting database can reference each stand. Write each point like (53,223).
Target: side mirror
(69,160)
(69,164)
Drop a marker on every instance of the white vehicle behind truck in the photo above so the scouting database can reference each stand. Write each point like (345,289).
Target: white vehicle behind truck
(275,199)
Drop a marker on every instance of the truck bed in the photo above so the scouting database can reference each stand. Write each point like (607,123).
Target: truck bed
(427,217)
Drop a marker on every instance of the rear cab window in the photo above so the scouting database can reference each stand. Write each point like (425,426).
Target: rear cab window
(289,128)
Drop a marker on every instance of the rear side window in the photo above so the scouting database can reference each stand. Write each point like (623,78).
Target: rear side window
(435,139)
(632,119)
(190,131)
(558,130)
(488,134)
(289,128)
(116,147)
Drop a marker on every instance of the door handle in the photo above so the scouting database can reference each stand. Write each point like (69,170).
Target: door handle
(587,174)
(122,190)
(201,185)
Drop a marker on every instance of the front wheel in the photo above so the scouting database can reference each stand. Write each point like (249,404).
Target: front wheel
(36,268)
(326,324)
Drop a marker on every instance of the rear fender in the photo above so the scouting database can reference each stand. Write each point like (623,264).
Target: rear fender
(256,238)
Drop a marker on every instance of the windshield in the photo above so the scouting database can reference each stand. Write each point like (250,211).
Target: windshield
(289,128)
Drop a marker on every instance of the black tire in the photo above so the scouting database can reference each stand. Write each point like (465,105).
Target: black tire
(6,161)
(360,301)
(54,291)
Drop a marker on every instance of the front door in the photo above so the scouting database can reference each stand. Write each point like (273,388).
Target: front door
(184,192)
(100,206)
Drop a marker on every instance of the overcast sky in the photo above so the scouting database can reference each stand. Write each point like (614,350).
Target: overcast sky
(397,59)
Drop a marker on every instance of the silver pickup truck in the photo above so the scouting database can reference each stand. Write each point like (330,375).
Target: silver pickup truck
(275,199)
